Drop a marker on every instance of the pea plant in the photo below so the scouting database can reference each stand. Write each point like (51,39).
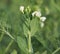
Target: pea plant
(26,35)
(33,22)
(29,27)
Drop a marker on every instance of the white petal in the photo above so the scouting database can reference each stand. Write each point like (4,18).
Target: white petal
(43,19)
(22,8)
(36,13)
(33,14)
(42,24)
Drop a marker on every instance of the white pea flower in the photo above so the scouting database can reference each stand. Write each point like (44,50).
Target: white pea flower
(42,24)
(42,19)
(36,13)
(22,9)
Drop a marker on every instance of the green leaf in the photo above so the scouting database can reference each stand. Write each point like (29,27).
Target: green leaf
(22,44)
(34,26)
(14,52)
(45,52)
(25,28)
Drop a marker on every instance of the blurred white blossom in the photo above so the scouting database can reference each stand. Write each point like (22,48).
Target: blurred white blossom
(42,24)
(36,13)
(22,9)
(42,19)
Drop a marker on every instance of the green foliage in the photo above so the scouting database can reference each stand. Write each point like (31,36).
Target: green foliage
(23,46)
(34,26)
(15,27)
(14,52)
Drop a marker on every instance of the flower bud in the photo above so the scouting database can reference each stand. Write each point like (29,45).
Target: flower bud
(28,9)
(42,19)
(36,13)
(42,24)
(22,9)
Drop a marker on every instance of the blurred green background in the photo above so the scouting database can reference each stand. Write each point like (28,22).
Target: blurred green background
(46,41)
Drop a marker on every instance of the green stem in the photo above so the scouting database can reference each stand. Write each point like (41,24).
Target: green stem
(8,47)
(56,51)
(29,44)
(1,36)
(29,38)
(7,33)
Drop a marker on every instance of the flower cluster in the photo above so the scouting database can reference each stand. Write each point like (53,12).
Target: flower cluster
(42,19)
(37,14)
